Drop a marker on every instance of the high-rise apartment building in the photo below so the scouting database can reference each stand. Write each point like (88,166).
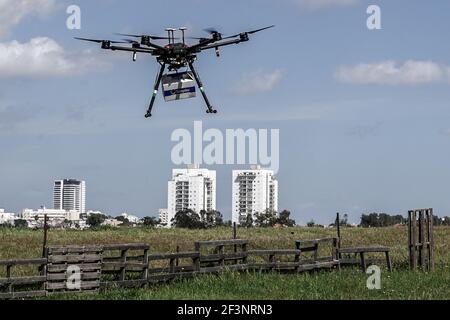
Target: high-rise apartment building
(254,191)
(192,188)
(69,194)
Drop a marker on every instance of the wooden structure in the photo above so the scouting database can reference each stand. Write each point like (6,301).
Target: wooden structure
(316,247)
(73,268)
(420,239)
(231,254)
(19,287)
(363,261)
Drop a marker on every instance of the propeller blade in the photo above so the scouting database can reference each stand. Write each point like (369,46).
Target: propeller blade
(211,30)
(144,35)
(258,30)
(131,41)
(98,41)
(249,32)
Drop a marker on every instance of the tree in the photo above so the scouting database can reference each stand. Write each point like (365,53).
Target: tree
(211,219)
(375,220)
(125,221)
(187,219)
(95,220)
(150,222)
(266,219)
(311,224)
(247,221)
(285,220)
(20,224)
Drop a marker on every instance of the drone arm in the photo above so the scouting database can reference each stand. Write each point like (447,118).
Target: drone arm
(142,50)
(199,47)
(222,44)
(155,90)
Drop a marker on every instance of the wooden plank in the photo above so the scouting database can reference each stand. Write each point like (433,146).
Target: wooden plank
(224,257)
(74,258)
(168,277)
(129,246)
(274,265)
(167,256)
(354,261)
(388,261)
(124,283)
(364,249)
(23,280)
(22,262)
(363,261)
(83,267)
(121,265)
(53,250)
(178,269)
(63,285)
(23,294)
(314,241)
(83,276)
(274,252)
(431,259)
(216,243)
(223,268)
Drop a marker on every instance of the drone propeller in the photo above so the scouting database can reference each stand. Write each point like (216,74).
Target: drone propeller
(98,41)
(211,30)
(249,32)
(142,36)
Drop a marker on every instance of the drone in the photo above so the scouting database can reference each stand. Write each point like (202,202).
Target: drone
(174,57)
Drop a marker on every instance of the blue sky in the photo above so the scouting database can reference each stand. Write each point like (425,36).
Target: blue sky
(363,115)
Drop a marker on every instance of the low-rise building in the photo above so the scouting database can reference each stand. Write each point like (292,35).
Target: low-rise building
(131,218)
(56,217)
(6,217)
(164,217)
(112,223)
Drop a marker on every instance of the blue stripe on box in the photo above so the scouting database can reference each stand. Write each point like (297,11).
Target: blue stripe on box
(179,91)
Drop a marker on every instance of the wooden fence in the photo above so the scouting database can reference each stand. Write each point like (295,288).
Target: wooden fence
(90,268)
(17,287)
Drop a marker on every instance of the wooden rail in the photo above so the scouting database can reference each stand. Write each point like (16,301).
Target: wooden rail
(231,254)
(362,251)
(9,283)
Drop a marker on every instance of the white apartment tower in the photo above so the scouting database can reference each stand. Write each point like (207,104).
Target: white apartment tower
(254,191)
(70,195)
(192,188)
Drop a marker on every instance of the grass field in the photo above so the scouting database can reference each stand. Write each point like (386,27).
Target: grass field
(348,284)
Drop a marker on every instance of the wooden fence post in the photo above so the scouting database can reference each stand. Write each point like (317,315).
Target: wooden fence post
(123,270)
(44,245)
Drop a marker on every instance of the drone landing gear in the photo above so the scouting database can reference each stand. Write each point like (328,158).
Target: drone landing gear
(202,90)
(155,90)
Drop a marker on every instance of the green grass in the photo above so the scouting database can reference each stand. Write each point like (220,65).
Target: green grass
(347,284)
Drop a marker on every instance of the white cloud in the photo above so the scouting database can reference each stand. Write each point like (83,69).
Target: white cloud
(390,73)
(43,57)
(322,4)
(12,12)
(259,81)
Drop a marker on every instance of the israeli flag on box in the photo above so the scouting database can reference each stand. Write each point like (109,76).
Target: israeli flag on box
(177,86)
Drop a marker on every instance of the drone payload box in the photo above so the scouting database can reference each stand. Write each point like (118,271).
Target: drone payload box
(178,86)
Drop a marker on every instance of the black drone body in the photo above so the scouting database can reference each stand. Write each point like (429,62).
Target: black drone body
(175,56)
